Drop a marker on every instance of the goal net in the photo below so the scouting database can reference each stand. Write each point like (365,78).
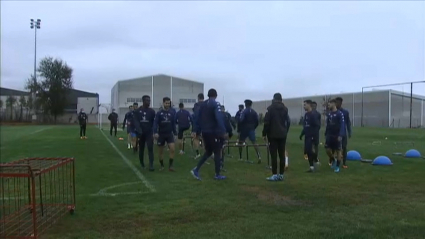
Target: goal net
(104,124)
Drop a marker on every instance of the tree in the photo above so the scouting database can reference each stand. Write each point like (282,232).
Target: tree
(53,88)
(325,102)
(22,104)
(10,103)
(30,106)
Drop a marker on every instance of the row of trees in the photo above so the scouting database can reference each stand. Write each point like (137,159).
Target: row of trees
(52,87)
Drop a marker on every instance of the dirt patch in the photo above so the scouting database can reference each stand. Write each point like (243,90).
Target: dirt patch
(274,198)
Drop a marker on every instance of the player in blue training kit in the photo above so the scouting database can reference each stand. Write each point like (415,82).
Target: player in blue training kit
(319,119)
(335,131)
(183,121)
(248,122)
(197,139)
(164,131)
(210,122)
(347,120)
(131,135)
(311,127)
(229,125)
(143,120)
(237,117)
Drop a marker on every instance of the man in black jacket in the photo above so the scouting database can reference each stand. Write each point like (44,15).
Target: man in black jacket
(82,119)
(276,127)
(113,118)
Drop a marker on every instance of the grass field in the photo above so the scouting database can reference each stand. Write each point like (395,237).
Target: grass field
(363,201)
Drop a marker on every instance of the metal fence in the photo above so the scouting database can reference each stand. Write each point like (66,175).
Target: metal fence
(380,108)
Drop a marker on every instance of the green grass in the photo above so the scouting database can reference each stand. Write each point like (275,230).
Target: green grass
(363,201)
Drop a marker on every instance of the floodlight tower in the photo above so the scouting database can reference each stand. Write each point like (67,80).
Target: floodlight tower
(35,25)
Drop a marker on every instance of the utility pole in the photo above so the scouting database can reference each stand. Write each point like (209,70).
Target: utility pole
(35,25)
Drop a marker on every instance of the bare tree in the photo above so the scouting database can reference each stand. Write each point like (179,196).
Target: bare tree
(10,103)
(22,105)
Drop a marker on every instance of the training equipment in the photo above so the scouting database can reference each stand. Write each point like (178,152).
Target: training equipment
(353,155)
(120,138)
(366,160)
(382,160)
(36,192)
(104,124)
(413,153)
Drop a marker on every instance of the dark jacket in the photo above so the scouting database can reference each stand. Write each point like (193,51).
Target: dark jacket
(82,118)
(276,121)
(113,117)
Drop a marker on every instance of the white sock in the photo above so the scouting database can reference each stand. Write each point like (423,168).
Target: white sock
(286,161)
(312,167)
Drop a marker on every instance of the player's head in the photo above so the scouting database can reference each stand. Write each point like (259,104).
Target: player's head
(113,110)
(277,97)
(130,107)
(338,102)
(332,104)
(135,105)
(201,97)
(248,103)
(222,108)
(314,105)
(212,93)
(308,105)
(241,107)
(82,110)
(181,106)
(146,100)
(166,102)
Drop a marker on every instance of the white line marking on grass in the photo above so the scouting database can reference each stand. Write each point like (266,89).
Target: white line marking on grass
(117,194)
(5,199)
(40,130)
(117,186)
(130,165)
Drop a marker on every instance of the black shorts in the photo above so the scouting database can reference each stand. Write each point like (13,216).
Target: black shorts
(333,143)
(212,143)
(165,138)
(181,132)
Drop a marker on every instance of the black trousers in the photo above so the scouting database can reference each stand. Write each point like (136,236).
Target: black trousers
(311,148)
(83,130)
(344,150)
(146,139)
(113,126)
(277,147)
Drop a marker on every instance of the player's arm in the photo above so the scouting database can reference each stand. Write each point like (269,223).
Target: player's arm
(136,122)
(342,129)
(156,123)
(232,122)
(125,120)
(256,121)
(196,126)
(87,118)
(219,117)
(173,125)
(348,122)
(176,119)
(110,116)
(288,122)
(327,126)
(266,126)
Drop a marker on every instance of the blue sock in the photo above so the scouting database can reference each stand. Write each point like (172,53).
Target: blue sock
(202,161)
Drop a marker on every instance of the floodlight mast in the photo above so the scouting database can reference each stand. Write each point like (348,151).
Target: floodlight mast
(35,24)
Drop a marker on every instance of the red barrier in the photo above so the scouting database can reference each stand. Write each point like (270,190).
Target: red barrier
(34,194)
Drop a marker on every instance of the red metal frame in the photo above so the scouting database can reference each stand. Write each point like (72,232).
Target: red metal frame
(34,194)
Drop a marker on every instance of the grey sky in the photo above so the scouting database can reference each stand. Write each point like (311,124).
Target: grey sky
(243,49)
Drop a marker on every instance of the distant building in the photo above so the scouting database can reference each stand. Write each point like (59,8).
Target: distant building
(125,92)
(77,99)
(385,108)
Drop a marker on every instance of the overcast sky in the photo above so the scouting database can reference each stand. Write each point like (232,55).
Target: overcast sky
(243,49)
